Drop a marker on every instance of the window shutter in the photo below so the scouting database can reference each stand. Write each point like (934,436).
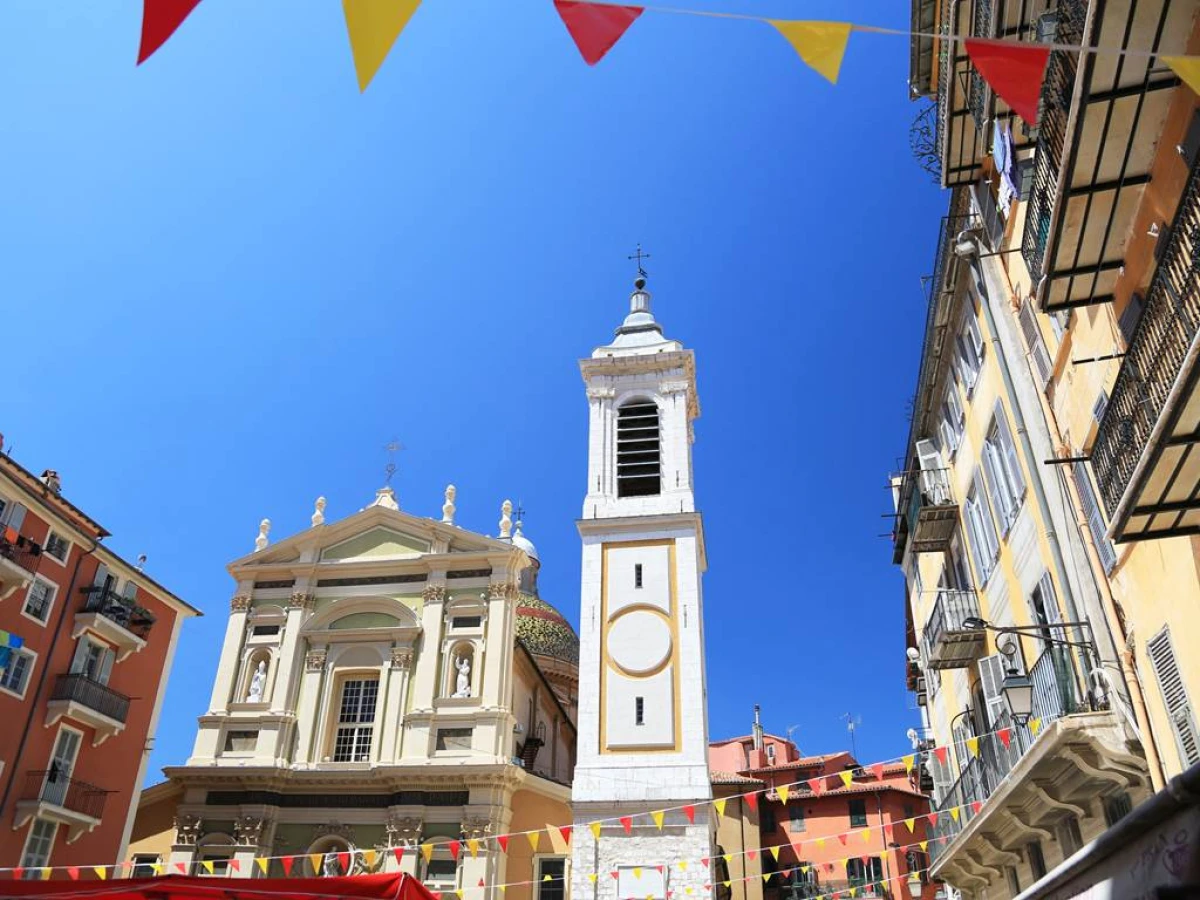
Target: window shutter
(987,526)
(79,660)
(991,678)
(994,477)
(106,664)
(101,576)
(1038,354)
(1099,407)
(1008,450)
(1091,510)
(16,518)
(1170,682)
(1130,316)
(1190,148)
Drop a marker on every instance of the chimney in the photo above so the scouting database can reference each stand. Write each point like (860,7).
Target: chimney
(756,758)
(51,480)
(758,732)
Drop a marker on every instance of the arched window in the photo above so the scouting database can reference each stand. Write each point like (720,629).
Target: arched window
(638,450)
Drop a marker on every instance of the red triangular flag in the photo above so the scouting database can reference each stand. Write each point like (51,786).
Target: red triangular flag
(752,853)
(976,807)
(182,869)
(480,883)
(815,784)
(877,770)
(237,866)
(344,861)
(660,869)
(399,853)
(627,823)
(887,833)
(1005,735)
(73,872)
(1014,71)
(704,862)
(614,874)
(842,838)
(288,861)
(160,18)
(940,753)
(595,27)
(18,872)
(565,831)
(690,812)
(437,895)
(932,817)
(752,800)
(455,847)
(502,840)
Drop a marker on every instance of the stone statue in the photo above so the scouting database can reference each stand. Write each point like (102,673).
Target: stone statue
(260,542)
(463,683)
(330,864)
(318,516)
(257,683)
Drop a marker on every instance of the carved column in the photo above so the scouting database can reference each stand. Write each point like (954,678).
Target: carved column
(307,716)
(395,691)
(488,865)
(230,666)
(282,697)
(188,830)
(403,831)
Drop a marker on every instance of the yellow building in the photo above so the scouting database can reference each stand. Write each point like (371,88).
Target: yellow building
(1090,224)
(737,833)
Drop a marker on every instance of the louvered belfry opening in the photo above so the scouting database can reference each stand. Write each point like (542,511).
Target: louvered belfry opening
(638,453)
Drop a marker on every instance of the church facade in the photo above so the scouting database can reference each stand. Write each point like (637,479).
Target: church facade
(386,681)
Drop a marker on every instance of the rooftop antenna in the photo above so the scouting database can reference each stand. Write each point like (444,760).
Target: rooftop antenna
(852,723)
(790,729)
(392,447)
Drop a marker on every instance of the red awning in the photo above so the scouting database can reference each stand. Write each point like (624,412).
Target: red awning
(396,886)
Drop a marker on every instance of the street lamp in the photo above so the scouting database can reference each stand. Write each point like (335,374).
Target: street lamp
(1018,694)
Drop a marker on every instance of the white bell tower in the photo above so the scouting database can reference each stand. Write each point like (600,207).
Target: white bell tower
(643,724)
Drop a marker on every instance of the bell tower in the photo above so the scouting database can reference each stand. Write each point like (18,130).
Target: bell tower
(643,726)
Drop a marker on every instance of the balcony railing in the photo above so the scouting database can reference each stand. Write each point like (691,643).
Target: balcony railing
(1163,337)
(927,515)
(66,793)
(119,610)
(948,643)
(20,550)
(1055,106)
(808,889)
(92,694)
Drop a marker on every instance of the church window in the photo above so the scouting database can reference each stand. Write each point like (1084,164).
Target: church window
(554,869)
(454,740)
(466,621)
(356,719)
(638,451)
(637,575)
(264,630)
(639,711)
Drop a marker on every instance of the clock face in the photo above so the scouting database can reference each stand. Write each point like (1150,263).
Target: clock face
(639,642)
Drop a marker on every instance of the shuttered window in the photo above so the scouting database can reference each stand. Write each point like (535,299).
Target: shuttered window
(638,452)
(1039,356)
(1003,471)
(1095,520)
(984,545)
(1130,316)
(991,679)
(1170,682)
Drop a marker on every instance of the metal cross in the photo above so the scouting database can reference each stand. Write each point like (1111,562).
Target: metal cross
(520,512)
(639,256)
(393,447)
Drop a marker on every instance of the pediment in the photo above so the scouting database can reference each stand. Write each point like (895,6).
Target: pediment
(377,543)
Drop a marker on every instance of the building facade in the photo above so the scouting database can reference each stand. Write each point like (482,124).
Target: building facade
(1087,224)
(642,716)
(803,826)
(383,684)
(88,642)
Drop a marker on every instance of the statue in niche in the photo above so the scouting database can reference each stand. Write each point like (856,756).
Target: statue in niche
(463,682)
(330,865)
(258,683)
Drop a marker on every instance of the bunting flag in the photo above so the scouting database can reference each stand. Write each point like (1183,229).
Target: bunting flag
(932,817)
(940,753)
(565,831)
(45,874)
(314,860)
(18,873)
(973,745)
(614,874)
(846,777)
(237,866)
(912,825)
(369,856)
(752,800)
(877,771)
(373,26)
(751,855)
(288,861)
(720,805)
(480,884)
(924,846)
(627,823)
(658,816)
(821,842)
(1035,725)
(909,762)
(262,863)
(208,866)
(976,806)
(398,852)
(595,827)
(595,27)
(782,790)
(1005,734)
(726,883)
(591,877)
(534,837)
(683,865)
(637,871)
(690,812)
(160,18)
(427,852)
(842,838)
(73,872)
(820,44)
(954,813)
(456,848)
(888,834)
(502,840)
(1014,71)
(766,876)
(774,852)
(815,784)
(866,835)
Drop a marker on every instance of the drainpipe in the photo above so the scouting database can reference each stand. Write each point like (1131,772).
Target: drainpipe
(63,608)
(967,247)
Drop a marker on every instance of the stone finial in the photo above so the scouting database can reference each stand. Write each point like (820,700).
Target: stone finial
(318,516)
(448,507)
(506,509)
(264,528)
(386,498)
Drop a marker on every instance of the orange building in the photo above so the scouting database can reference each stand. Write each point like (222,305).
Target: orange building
(86,642)
(822,830)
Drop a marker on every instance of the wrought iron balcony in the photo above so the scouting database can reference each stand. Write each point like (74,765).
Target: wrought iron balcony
(1145,455)
(119,610)
(100,698)
(67,796)
(927,515)
(948,643)
(19,558)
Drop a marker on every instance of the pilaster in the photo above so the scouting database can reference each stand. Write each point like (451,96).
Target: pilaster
(282,697)
(227,670)
(311,683)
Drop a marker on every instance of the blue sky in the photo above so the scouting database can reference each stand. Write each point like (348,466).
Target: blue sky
(230,280)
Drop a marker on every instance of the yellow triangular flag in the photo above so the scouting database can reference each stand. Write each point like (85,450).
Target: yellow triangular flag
(955,813)
(766,877)
(637,871)
(208,865)
(1187,68)
(683,865)
(853,892)
(369,858)
(373,26)
(688,891)
(820,44)
(460,893)
(592,877)
(316,859)
(534,837)
(720,805)
(1035,725)
(728,857)
(866,835)
(847,777)
(805,869)
(924,846)
(45,874)
(503,888)
(912,825)
(427,851)
(595,826)
(821,842)
(261,862)
(774,852)
(973,745)
(726,883)
(101,872)
(658,815)
(909,762)
(783,792)
(473,846)
(157,867)
(545,878)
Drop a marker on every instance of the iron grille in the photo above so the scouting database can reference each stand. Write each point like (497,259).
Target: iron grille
(92,694)
(55,789)
(977,90)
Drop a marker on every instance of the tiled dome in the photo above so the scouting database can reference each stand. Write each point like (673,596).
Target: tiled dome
(544,631)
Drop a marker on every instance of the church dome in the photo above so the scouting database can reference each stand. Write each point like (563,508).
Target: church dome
(544,631)
(519,540)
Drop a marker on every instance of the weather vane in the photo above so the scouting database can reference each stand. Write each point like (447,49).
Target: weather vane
(639,256)
(393,447)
